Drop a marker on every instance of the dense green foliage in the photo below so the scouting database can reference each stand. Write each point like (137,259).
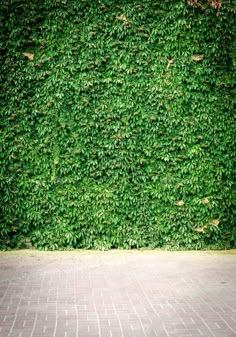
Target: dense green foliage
(117,124)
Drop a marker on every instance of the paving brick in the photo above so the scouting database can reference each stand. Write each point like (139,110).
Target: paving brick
(117,294)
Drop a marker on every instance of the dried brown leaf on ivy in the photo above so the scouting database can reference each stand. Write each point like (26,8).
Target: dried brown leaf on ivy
(197,57)
(30,56)
(214,3)
(215,222)
(199,229)
(180,203)
(206,201)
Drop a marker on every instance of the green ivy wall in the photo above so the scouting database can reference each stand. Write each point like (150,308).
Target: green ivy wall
(117,124)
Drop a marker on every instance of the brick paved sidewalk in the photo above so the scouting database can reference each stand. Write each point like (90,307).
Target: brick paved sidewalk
(117,294)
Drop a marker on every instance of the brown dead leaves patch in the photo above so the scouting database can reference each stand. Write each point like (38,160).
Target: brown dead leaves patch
(214,3)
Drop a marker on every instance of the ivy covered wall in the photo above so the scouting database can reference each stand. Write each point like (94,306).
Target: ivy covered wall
(117,124)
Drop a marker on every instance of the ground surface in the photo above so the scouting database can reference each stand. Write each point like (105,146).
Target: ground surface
(117,294)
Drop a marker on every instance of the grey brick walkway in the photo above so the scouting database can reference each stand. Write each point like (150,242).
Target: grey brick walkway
(117,294)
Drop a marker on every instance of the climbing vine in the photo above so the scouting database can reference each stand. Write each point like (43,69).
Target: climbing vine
(117,124)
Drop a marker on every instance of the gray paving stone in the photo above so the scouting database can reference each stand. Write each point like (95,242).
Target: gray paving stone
(117,294)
